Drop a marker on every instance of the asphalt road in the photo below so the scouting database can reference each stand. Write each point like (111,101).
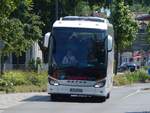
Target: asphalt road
(128,99)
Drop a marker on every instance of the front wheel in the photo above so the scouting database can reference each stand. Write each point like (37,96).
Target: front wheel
(100,98)
(53,97)
(108,96)
(103,99)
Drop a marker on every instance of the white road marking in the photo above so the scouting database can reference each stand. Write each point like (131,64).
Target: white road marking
(131,94)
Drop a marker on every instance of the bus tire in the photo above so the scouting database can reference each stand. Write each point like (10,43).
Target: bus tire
(103,99)
(100,99)
(53,97)
(108,96)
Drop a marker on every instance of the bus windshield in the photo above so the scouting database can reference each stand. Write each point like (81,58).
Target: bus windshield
(79,53)
(79,47)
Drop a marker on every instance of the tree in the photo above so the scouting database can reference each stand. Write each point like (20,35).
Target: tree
(125,27)
(83,9)
(6,8)
(31,21)
(31,26)
(105,3)
(12,36)
(19,26)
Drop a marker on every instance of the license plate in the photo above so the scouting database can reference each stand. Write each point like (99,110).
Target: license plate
(75,90)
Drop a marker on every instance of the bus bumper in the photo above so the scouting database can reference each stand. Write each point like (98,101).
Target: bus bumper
(75,90)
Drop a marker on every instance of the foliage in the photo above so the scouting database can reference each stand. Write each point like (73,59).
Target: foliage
(35,64)
(31,64)
(139,76)
(105,3)
(139,8)
(83,9)
(32,23)
(6,86)
(36,79)
(65,8)
(16,78)
(19,26)
(13,81)
(125,27)
(30,88)
(12,35)
(146,68)
(148,32)
(46,13)
(120,80)
(7,6)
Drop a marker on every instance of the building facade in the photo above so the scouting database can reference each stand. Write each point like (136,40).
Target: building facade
(22,62)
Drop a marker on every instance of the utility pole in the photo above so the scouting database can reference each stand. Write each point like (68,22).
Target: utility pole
(56,9)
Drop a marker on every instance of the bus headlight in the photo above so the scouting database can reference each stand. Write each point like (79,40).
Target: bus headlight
(100,84)
(53,81)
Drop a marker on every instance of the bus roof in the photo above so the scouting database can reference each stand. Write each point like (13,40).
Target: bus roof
(82,22)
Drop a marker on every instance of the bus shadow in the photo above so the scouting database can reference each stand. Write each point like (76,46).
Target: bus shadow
(68,99)
(78,100)
(38,98)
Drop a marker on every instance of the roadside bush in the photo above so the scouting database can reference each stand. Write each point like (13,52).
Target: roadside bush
(37,79)
(30,88)
(120,80)
(3,84)
(6,86)
(23,81)
(146,68)
(31,64)
(139,76)
(15,77)
(25,78)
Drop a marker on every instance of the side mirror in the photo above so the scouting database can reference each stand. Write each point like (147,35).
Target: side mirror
(110,43)
(46,39)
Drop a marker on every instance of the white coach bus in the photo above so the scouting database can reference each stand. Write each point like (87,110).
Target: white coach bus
(81,57)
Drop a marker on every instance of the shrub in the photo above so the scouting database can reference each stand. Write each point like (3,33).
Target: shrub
(23,81)
(120,80)
(131,77)
(146,68)
(37,79)
(30,88)
(6,86)
(15,77)
(25,78)
(31,64)
(3,84)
